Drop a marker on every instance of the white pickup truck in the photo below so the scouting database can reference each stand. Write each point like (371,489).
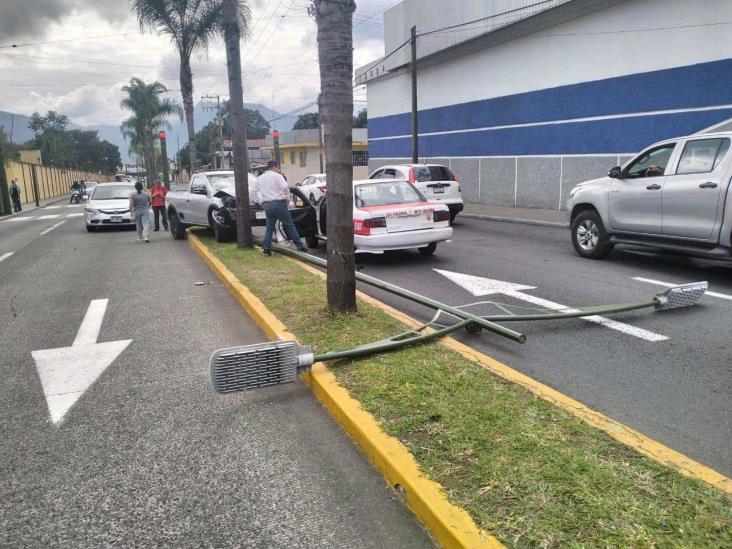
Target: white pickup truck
(209,201)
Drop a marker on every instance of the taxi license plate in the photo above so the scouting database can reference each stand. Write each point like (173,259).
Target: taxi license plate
(115,219)
(260,215)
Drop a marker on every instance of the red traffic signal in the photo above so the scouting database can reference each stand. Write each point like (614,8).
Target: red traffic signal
(161,135)
(275,134)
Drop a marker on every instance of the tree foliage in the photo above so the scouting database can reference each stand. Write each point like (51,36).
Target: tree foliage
(191,25)
(307,121)
(361,120)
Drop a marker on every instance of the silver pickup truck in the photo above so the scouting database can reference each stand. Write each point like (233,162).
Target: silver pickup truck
(209,201)
(673,196)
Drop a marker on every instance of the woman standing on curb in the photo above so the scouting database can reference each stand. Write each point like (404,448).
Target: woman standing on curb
(140,208)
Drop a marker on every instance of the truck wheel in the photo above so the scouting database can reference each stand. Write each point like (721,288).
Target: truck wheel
(429,249)
(589,237)
(177,229)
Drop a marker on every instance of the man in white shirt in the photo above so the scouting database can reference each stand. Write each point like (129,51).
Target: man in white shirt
(274,193)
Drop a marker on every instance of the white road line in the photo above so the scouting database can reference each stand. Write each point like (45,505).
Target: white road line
(89,330)
(608,323)
(52,228)
(53,207)
(20,218)
(6,255)
(72,206)
(49,216)
(79,214)
(669,285)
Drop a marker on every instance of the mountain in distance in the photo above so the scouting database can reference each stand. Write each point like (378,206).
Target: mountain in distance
(203,113)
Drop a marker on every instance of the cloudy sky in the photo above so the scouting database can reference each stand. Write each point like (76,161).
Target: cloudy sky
(74,55)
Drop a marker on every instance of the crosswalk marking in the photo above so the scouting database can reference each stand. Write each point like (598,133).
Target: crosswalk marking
(6,255)
(43,217)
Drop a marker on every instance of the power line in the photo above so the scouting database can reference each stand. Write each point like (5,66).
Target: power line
(66,40)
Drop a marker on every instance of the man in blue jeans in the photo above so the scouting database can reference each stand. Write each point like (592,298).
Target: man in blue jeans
(274,193)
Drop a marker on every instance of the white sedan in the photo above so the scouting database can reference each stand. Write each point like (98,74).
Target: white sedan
(109,205)
(387,215)
(313,186)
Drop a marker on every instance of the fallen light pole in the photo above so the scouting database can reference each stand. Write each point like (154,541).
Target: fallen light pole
(278,362)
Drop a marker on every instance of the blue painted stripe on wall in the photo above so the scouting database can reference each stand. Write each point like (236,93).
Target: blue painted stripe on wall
(691,86)
(592,137)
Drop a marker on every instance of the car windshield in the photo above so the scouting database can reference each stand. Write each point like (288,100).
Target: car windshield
(383,194)
(221,180)
(112,192)
(432,173)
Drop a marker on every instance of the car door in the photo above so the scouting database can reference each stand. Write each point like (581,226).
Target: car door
(198,201)
(691,195)
(635,197)
(303,213)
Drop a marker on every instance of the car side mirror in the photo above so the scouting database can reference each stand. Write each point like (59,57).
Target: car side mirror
(614,172)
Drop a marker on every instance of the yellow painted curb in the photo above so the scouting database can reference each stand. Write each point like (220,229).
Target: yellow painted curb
(619,431)
(448,524)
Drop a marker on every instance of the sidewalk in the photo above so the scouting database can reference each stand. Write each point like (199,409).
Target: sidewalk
(530,216)
(31,206)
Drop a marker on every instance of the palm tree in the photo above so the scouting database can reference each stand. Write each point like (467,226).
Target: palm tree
(149,113)
(335,54)
(191,25)
(232,36)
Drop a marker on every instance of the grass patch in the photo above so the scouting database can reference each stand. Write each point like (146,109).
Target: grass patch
(528,472)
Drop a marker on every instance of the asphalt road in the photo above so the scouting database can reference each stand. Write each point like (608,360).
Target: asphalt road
(148,455)
(677,390)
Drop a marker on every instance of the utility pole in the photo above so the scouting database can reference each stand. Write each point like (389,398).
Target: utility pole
(415,128)
(320,140)
(220,122)
(164,159)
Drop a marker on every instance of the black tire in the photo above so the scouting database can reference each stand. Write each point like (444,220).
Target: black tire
(91,228)
(177,229)
(452,217)
(312,198)
(429,249)
(222,234)
(589,236)
(311,242)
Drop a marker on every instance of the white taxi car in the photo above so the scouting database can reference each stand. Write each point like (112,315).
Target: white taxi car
(313,186)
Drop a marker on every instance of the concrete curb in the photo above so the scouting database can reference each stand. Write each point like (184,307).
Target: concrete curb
(515,220)
(448,524)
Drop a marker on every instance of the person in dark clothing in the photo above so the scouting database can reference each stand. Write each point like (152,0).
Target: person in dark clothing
(15,196)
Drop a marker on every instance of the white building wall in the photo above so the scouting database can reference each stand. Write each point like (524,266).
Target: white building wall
(597,46)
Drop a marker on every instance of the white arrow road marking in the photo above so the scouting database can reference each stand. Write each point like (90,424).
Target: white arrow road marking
(669,285)
(480,286)
(52,228)
(67,372)
(6,255)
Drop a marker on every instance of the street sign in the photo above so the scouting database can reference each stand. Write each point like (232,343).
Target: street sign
(67,372)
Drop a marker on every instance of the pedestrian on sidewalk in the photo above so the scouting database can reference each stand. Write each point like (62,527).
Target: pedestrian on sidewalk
(140,207)
(274,194)
(15,196)
(158,192)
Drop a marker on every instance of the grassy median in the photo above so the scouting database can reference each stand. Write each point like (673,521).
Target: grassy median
(528,472)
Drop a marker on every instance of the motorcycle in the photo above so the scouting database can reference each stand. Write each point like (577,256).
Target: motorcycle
(76,196)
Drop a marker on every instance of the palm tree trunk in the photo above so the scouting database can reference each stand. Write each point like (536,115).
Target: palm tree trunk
(232,35)
(149,157)
(186,88)
(335,53)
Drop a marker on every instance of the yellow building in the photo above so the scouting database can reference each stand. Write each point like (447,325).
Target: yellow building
(300,153)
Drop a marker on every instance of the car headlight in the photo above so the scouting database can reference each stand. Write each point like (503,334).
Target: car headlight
(229,202)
